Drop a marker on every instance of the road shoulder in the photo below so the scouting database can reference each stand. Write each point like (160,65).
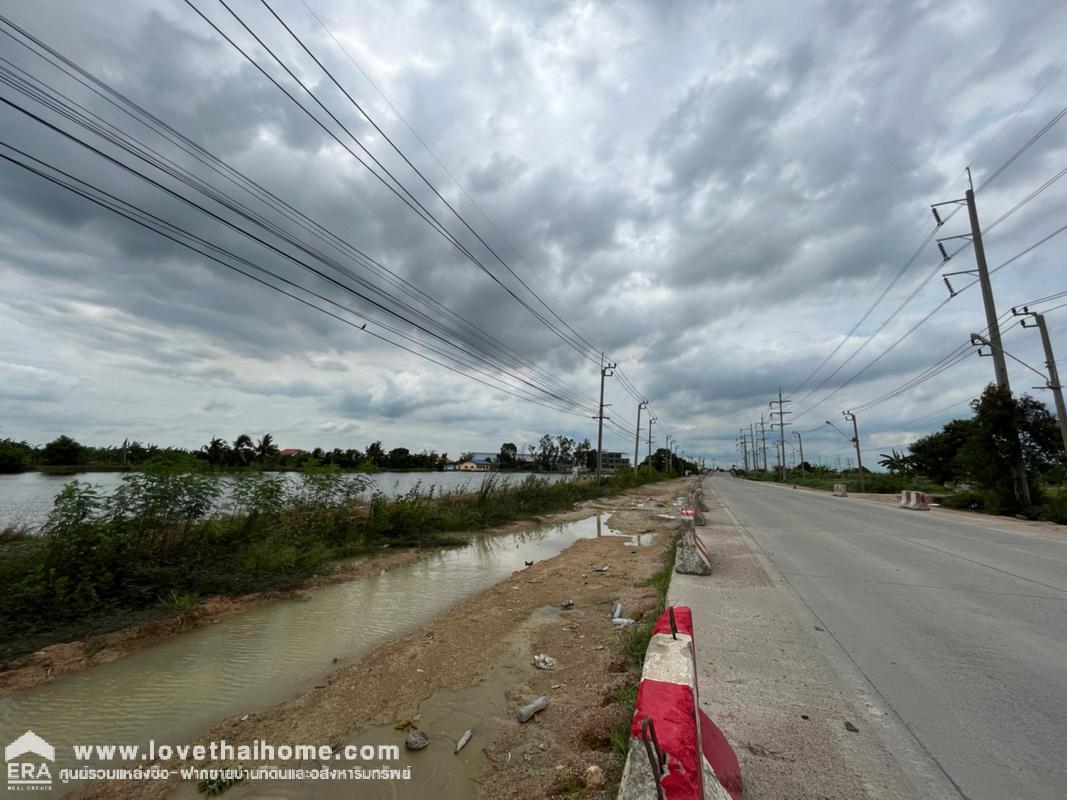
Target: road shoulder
(766,682)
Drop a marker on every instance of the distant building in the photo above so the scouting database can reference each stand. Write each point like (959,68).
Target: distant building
(612,461)
(292,451)
(475,464)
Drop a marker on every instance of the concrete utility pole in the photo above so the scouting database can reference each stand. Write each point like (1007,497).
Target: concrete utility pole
(637,430)
(763,440)
(651,419)
(856,441)
(744,448)
(781,414)
(605,372)
(800,444)
(755,459)
(670,462)
(1000,366)
(1053,380)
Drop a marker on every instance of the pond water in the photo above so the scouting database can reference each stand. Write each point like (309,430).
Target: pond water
(26,498)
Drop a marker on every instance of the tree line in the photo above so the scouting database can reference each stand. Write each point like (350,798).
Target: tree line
(981,453)
(551,454)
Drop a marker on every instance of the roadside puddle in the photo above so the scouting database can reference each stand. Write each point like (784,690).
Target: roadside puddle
(437,772)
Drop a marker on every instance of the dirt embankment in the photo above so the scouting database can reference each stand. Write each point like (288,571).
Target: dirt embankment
(471,667)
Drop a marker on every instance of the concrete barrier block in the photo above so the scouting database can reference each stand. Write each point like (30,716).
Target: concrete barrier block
(690,757)
(839,490)
(691,557)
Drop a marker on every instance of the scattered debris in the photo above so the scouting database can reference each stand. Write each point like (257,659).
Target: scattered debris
(404,724)
(566,604)
(541,661)
(850,727)
(820,629)
(594,777)
(528,563)
(416,740)
(804,716)
(765,752)
(601,569)
(466,737)
(526,713)
(616,610)
(623,621)
(557,685)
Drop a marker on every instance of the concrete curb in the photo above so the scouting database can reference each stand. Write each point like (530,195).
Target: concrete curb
(694,760)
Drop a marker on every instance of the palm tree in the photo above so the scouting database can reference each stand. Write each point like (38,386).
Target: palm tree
(216,451)
(375,454)
(897,463)
(242,447)
(266,447)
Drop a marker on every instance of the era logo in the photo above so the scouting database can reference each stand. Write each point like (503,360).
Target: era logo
(23,774)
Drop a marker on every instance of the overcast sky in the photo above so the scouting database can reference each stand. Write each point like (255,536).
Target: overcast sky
(712,193)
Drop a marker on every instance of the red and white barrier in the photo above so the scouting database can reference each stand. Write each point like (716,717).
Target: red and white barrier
(693,511)
(701,548)
(676,751)
(914,500)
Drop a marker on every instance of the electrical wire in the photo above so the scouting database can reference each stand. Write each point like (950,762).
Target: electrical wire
(399,190)
(145,220)
(417,171)
(124,104)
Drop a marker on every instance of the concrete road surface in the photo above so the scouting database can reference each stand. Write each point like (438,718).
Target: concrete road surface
(957,623)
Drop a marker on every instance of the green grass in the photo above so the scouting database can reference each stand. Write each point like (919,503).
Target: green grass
(619,736)
(635,645)
(155,546)
(574,787)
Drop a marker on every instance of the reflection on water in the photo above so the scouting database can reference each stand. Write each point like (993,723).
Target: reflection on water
(172,690)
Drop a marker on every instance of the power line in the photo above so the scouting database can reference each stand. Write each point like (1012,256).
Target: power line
(402,192)
(417,171)
(141,116)
(926,318)
(150,222)
(1041,132)
(238,229)
(1026,146)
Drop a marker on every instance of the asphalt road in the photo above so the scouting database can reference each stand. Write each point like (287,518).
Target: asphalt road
(959,624)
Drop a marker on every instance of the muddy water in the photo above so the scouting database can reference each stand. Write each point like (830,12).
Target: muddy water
(170,691)
(437,772)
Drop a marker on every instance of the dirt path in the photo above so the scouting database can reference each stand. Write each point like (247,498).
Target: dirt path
(471,667)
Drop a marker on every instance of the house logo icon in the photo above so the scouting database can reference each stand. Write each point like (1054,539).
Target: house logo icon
(25,766)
